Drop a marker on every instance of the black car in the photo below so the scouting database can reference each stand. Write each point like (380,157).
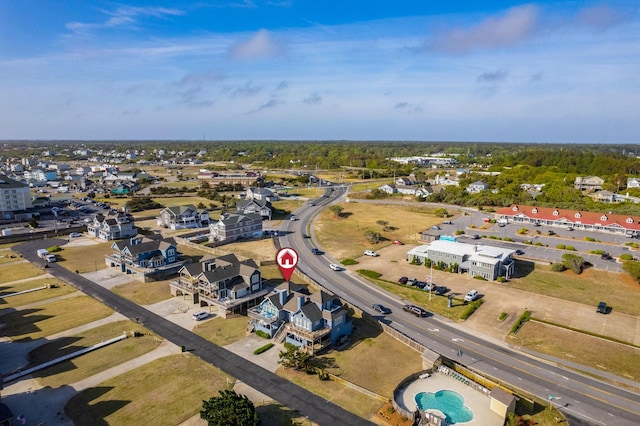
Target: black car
(440,289)
(403,280)
(316,251)
(602,308)
(306,236)
(519,252)
(606,256)
(383,310)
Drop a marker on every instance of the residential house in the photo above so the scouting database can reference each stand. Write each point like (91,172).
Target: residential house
(487,262)
(589,183)
(235,226)
(407,181)
(477,187)
(146,257)
(225,282)
(181,217)
(445,181)
(633,183)
(261,207)
(587,221)
(311,321)
(112,227)
(254,193)
(14,197)
(124,188)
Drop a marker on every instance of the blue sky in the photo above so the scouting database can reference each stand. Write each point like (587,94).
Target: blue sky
(314,70)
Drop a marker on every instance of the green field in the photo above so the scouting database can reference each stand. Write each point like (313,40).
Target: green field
(93,362)
(222,331)
(144,293)
(167,392)
(9,273)
(58,288)
(85,258)
(54,317)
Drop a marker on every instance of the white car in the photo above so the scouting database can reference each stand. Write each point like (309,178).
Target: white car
(335,267)
(75,234)
(471,296)
(371,253)
(199,316)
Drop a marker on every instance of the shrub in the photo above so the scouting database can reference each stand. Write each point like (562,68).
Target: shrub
(473,306)
(262,334)
(522,231)
(459,232)
(571,248)
(561,246)
(589,239)
(626,256)
(557,267)
(53,249)
(263,348)
(521,320)
(528,242)
(501,279)
(479,277)
(597,252)
(369,274)
(573,262)
(472,226)
(503,316)
(349,262)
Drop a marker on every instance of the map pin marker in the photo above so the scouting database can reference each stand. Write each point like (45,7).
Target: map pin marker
(287,259)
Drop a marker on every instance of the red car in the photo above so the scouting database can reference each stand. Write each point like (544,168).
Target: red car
(398,243)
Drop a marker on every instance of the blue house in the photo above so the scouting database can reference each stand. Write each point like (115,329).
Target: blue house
(311,321)
(145,257)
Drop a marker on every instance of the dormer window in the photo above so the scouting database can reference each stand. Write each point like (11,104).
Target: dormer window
(515,208)
(534,210)
(604,218)
(629,220)
(556,213)
(578,215)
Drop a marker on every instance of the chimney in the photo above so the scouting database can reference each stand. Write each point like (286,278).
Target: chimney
(282,296)
(300,302)
(475,247)
(208,265)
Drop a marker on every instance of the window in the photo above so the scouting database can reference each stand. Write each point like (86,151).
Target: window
(604,218)
(629,220)
(515,208)
(535,210)
(578,215)
(556,213)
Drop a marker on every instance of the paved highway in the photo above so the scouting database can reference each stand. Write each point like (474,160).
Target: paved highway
(293,396)
(582,399)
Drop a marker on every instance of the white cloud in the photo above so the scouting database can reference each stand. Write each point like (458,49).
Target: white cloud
(124,16)
(514,26)
(259,46)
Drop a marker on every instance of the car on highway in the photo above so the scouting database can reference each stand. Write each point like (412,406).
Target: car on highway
(317,251)
(335,267)
(382,309)
(471,296)
(200,315)
(371,253)
(398,243)
(293,218)
(75,235)
(415,310)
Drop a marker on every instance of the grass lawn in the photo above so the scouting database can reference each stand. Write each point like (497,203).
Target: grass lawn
(60,289)
(617,289)
(10,273)
(581,348)
(84,258)
(262,249)
(52,318)
(347,398)
(144,293)
(345,237)
(93,362)
(223,331)
(8,256)
(167,391)
(274,414)
(375,360)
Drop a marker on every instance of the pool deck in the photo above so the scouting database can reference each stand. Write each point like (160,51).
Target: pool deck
(474,400)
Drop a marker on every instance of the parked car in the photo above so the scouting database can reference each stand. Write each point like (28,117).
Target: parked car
(398,243)
(415,310)
(371,253)
(420,284)
(412,281)
(75,234)
(335,267)
(435,227)
(383,310)
(429,287)
(475,236)
(550,232)
(316,251)
(471,296)
(440,289)
(447,222)
(606,256)
(200,315)
(403,280)
(602,308)
(519,252)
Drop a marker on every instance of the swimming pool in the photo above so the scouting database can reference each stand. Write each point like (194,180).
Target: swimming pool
(450,403)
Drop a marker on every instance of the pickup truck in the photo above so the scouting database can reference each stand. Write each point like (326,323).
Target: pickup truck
(44,254)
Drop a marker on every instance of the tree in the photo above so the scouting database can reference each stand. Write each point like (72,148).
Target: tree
(336,210)
(229,409)
(632,268)
(372,236)
(294,357)
(384,224)
(574,262)
(33,223)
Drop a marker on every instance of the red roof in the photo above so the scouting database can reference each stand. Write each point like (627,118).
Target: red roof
(572,216)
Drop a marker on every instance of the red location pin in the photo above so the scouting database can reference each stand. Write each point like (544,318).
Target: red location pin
(287,259)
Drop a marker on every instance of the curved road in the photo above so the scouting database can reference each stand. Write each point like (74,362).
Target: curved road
(293,396)
(582,399)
